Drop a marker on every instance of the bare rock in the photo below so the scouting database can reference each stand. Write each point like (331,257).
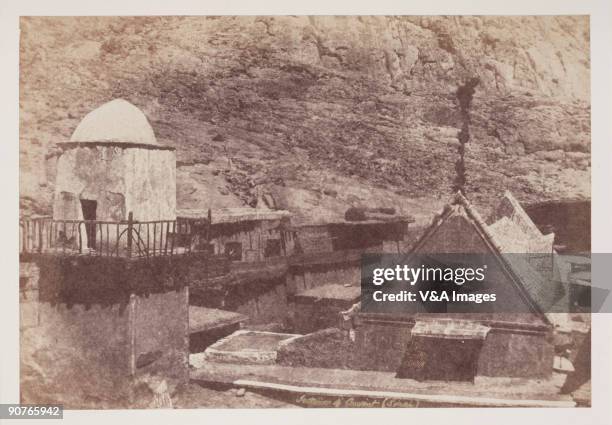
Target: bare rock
(290,98)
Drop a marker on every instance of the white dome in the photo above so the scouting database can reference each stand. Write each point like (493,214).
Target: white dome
(115,121)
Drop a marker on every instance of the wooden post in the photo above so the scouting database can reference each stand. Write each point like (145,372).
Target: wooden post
(80,239)
(49,237)
(154,236)
(161,238)
(40,235)
(27,234)
(139,241)
(65,238)
(166,242)
(129,234)
(117,240)
(101,243)
(209,227)
(173,238)
(147,224)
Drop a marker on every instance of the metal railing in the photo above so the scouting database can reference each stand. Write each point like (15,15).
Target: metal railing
(127,238)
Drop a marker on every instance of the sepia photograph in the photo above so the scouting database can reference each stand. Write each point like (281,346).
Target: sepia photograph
(237,212)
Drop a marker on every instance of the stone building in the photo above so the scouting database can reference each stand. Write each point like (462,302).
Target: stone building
(516,231)
(512,339)
(96,327)
(300,277)
(113,165)
(244,235)
(93,328)
(255,245)
(325,273)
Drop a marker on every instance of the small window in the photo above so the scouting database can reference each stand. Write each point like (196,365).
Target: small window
(273,248)
(233,250)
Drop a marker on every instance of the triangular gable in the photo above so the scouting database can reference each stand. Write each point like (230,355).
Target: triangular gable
(474,235)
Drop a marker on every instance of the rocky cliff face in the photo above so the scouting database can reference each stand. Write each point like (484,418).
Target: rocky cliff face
(322,112)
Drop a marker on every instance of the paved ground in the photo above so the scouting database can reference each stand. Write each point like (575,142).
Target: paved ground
(194,396)
(497,388)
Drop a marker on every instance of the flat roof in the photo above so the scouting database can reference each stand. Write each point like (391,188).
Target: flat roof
(232,215)
(343,222)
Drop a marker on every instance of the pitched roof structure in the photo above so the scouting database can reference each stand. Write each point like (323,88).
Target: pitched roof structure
(116,121)
(515,230)
(533,288)
(510,207)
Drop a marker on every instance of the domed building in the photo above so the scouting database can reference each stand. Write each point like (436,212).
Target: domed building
(113,165)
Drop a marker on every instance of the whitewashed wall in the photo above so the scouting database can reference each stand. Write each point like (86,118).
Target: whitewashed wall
(120,179)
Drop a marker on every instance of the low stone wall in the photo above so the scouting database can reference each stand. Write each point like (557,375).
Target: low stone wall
(509,350)
(306,278)
(320,307)
(249,347)
(310,317)
(200,341)
(270,306)
(328,348)
(28,295)
(516,353)
(261,297)
(76,356)
(160,334)
(382,345)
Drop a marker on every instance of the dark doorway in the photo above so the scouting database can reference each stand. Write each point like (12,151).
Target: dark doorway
(89,214)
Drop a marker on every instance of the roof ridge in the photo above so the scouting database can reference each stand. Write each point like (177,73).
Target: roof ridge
(490,239)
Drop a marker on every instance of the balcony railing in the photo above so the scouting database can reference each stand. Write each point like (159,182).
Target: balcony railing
(127,238)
